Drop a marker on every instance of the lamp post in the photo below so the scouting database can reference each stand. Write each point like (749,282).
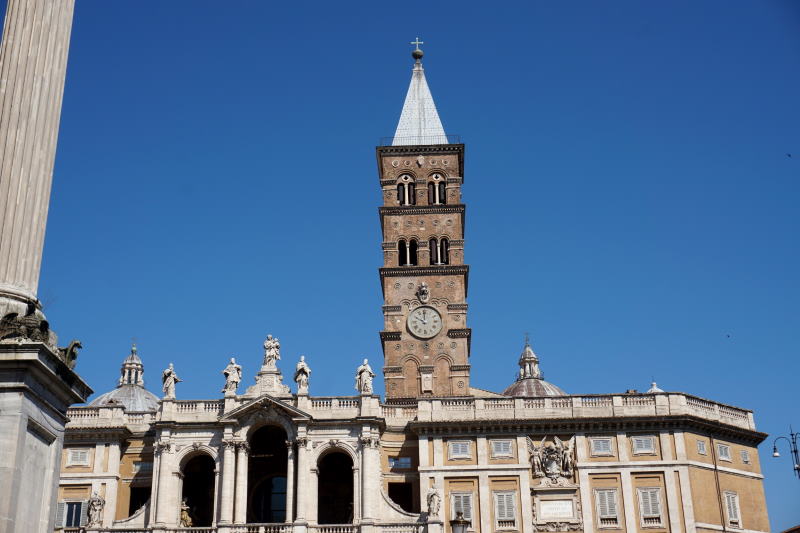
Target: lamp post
(792,440)
(459,524)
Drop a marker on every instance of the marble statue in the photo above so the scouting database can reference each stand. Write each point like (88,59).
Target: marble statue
(233,375)
(186,518)
(272,351)
(434,502)
(169,378)
(301,374)
(364,375)
(95,510)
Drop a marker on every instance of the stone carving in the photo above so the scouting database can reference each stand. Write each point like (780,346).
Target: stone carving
(186,518)
(553,461)
(162,446)
(364,375)
(272,351)
(423,293)
(168,379)
(95,511)
(301,374)
(31,326)
(233,375)
(558,526)
(70,354)
(434,502)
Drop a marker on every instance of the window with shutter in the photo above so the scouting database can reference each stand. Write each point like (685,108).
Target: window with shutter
(60,514)
(78,457)
(601,446)
(724,452)
(606,504)
(501,448)
(84,512)
(72,514)
(505,509)
(644,445)
(732,506)
(458,449)
(745,457)
(650,506)
(462,502)
(701,447)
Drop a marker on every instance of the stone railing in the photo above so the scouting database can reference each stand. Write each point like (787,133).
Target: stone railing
(199,406)
(333,528)
(404,527)
(262,528)
(594,406)
(332,406)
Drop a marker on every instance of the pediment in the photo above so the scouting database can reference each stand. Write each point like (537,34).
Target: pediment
(263,405)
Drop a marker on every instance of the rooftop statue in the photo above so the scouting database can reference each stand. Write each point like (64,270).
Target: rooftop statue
(301,374)
(364,375)
(272,351)
(233,376)
(168,379)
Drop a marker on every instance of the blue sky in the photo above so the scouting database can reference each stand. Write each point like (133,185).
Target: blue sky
(630,201)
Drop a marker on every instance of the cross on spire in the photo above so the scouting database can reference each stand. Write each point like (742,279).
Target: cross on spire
(417,43)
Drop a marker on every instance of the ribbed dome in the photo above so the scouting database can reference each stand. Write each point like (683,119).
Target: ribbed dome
(530,381)
(131,397)
(130,392)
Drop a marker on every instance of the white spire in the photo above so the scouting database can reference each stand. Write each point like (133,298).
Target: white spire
(419,121)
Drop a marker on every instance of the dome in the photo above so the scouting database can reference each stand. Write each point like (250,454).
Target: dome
(130,392)
(131,397)
(530,380)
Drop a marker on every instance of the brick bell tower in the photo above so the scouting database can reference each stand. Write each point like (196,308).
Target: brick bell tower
(425,337)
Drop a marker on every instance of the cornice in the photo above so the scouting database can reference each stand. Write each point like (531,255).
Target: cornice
(413,271)
(396,210)
(412,150)
(388,336)
(459,333)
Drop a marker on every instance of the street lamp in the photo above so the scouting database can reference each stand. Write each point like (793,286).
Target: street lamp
(792,440)
(459,524)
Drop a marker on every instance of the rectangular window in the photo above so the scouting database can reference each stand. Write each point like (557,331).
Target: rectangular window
(142,467)
(399,463)
(606,504)
(745,457)
(650,506)
(601,446)
(505,509)
(644,445)
(501,449)
(724,452)
(71,514)
(732,509)
(461,502)
(701,447)
(458,449)
(78,457)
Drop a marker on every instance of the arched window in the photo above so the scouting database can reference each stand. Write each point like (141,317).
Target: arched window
(406,191)
(412,252)
(402,255)
(433,251)
(436,190)
(444,251)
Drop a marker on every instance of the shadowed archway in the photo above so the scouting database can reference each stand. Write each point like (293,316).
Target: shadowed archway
(198,489)
(266,478)
(335,489)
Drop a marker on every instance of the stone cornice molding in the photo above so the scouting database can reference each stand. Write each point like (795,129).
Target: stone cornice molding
(388,336)
(391,210)
(463,333)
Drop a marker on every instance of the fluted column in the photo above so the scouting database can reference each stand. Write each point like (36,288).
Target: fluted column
(242,458)
(289,482)
(228,472)
(33,65)
(303,481)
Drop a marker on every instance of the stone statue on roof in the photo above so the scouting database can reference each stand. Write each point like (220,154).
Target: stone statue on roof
(168,380)
(301,374)
(272,351)
(364,375)
(233,375)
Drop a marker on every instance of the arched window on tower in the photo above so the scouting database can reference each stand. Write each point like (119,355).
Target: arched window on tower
(412,252)
(402,255)
(436,190)
(406,191)
(439,250)
(433,250)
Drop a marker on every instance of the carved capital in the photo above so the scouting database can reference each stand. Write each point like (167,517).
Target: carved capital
(243,446)
(228,444)
(302,442)
(162,446)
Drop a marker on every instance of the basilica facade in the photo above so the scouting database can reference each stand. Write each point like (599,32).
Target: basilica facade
(265,455)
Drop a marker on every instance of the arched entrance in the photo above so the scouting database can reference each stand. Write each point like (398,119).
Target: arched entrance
(266,477)
(198,489)
(335,489)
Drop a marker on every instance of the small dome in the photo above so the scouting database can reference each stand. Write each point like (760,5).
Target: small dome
(131,397)
(654,388)
(130,392)
(530,380)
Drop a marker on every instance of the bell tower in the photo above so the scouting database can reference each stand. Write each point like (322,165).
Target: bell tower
(425,337)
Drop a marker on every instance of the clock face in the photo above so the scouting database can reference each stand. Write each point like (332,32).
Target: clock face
(424,322)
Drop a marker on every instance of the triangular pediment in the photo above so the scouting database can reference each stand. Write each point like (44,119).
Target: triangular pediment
(265,401)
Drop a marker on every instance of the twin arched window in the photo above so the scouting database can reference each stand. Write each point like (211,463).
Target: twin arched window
(436,190)
(439,251)
(406,191)
(408,252)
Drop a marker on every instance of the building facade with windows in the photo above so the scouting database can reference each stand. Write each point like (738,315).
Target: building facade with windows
(269,458)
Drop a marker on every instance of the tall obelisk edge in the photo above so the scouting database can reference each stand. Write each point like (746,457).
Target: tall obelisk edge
(33,66)
(37,383)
